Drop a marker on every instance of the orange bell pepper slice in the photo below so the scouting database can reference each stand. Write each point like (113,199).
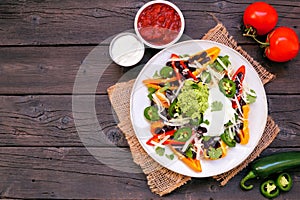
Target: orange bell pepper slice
(224,148)
(163,99)
(151,85)
(159,80)
(211,53)
(244,134)
(191,163)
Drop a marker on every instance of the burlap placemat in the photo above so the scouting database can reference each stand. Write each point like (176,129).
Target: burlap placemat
(161,180)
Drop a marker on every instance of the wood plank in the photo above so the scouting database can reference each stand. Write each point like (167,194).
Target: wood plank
(92,22)
(53,70)
(49,121)
(63,173)
(279,108)
(42,45)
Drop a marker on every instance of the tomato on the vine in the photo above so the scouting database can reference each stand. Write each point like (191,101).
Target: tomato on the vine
(282,44)
(260,16)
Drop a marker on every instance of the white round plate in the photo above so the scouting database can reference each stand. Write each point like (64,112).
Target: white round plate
(257,116)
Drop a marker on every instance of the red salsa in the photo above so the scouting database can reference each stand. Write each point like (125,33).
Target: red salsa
(159,24)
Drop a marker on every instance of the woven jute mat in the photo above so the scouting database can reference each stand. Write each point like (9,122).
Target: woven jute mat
(161,180)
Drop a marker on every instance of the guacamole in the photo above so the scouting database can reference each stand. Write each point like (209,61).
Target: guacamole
(193,99)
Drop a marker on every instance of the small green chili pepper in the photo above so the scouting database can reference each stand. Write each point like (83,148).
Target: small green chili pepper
(284,182)
(183,134)
(278,162)
(227,87)
(151,113)
(227,139)
(269,189)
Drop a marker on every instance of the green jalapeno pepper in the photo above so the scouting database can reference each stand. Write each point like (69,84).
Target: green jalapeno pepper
(272,164)
(151,113)
(284,182)
(227,87)
(269,189)
(183,134)
(227,139)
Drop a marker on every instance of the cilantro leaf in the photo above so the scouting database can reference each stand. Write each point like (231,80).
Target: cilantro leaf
(206,122)
(171,156)
(225,60)
(184,55)
(251,98)
(216,106)
(156,75)
(160,151)
(189,152)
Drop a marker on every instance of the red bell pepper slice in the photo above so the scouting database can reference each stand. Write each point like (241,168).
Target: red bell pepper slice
(241,70)
(178,75)
(239,76)
(156,139)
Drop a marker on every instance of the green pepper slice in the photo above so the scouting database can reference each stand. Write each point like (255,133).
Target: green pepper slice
(151,113)
(172,108)
(151,91)
(284,182)
(269,189)
(227,87)
(227,139)
(183,134)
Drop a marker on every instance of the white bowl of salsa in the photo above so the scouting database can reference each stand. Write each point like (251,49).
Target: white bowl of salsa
(159,24)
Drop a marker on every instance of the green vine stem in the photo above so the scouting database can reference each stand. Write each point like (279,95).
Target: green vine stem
(251,32)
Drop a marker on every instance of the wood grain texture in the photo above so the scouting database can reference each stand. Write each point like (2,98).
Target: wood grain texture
(43,43)
(48,121)
(53,70)
(61,173)
(91,22)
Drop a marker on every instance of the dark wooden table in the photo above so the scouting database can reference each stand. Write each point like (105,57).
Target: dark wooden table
(42,45)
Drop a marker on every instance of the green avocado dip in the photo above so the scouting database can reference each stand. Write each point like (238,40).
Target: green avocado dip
(193,99)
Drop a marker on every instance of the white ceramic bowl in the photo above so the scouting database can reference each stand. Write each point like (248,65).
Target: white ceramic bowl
(159,45)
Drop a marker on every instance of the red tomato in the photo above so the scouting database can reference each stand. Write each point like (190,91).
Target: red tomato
(283,44)
(261,16)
